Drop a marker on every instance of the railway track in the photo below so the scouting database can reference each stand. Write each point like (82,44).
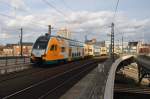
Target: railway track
(124,91)
(44,83)
(34,70)
(133,90)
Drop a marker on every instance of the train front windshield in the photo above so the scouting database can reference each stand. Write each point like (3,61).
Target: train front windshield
(41,43)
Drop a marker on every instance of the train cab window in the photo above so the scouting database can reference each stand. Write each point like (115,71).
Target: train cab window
(41,43)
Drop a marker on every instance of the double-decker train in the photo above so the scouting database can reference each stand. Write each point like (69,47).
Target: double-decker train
(50,49)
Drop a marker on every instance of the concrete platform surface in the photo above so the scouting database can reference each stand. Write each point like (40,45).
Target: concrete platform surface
(79,89)
(92,86)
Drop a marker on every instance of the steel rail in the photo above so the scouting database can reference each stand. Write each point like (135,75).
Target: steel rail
(43,81)
(66,81)
(39,71)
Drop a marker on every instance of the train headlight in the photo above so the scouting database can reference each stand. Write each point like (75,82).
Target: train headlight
(44,55)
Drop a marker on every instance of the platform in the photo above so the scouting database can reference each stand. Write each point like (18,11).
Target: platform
(92,86)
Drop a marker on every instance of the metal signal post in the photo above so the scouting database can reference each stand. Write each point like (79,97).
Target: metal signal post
(49,29)
(21,41)
(112,42)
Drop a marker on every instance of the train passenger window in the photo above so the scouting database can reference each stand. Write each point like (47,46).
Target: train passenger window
(52,47)
(62,49)
(55,47)
(90,50)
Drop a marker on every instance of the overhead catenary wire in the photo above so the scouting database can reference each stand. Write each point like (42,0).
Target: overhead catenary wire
(4,15)
(32,22)
(50,5)
(21,10)
(64,2)
(112,39)
(116,9)
(27,11)
(2,2)
(71,9)
(12,17)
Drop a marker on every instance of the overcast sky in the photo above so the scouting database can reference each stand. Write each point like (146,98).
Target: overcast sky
(83,17)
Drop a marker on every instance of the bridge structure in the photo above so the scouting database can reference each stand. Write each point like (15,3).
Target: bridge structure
(143,65)
(119,63)
(143,62)
(104,74)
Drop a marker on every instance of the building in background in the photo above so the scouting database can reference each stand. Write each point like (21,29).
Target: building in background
(15,49)
(64,33)
(144,49)
(119,47)
(96,48)
(1,50)
(89,47)
(7,51)
(133,47)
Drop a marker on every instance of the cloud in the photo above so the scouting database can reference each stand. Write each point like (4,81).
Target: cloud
(94,24)
(19,4)
(5,36)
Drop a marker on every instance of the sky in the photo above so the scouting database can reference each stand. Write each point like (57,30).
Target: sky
(82,17)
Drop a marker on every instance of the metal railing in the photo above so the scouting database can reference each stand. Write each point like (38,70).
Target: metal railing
(10,64)
(14,60)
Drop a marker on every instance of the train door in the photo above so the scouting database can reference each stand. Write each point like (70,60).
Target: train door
(82,52)
(70,53)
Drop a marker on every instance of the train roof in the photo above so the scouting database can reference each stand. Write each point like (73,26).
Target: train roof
(47,37)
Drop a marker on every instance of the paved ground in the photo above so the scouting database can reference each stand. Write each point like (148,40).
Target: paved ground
(78,89)
(92,86)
